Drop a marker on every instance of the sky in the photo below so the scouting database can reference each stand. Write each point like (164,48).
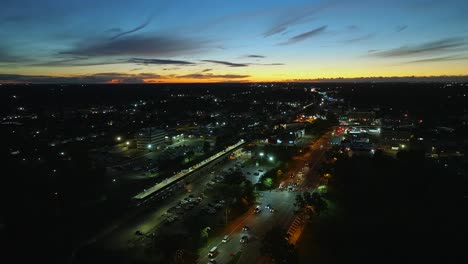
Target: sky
(121,41)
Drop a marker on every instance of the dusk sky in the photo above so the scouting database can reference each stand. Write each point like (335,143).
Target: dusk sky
(215,41)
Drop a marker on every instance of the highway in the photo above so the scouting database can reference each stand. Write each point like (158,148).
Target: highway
(281,201)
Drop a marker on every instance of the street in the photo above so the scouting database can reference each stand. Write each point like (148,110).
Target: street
(259,224)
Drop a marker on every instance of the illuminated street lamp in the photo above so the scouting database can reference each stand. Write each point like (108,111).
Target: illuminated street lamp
(119,138)
(150,146)
(127,143)
(403,146)
(270,158)
(262,154)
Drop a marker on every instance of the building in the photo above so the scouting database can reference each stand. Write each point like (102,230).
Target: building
(286,138)
(151,138)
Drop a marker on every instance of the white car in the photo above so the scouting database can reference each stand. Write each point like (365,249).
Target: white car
(225,239)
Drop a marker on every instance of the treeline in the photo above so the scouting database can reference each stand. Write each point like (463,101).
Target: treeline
(393,210)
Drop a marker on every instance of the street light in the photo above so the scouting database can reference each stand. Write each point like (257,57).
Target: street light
(127,143)
(270,158)
(150,146)
(262,154)
(119,138)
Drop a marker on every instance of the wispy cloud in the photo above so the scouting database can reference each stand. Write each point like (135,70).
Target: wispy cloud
(360,38)
(433,47)
(140,27)
(400,28)
(114,77)
(305,35)
(114,30)
(136,45)
(6,56)
(159,62)
(268,64)
(295,16)
(92,78)
(76,61)
(227,63)
(207,70)
(232,64)
(439,59)
(255,56)
(213,76)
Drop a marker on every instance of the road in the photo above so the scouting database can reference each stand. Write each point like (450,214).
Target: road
(124,235)
(281,201)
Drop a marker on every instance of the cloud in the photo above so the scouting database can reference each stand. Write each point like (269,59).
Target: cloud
(136,45)
(76,61)
(114,30)
(6,56)
(305,35)
(140,27)
(112,77)
(291,17)
(232,64)
(400,28)
(443,45)
(92,78)
(213,76)
(358,39)
(255,56)
(227,63)
(207,70)
(381,79)
(159,62)
(268,64)
(439,59)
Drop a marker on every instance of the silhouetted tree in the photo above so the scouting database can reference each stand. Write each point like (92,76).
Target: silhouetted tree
(275,245)
(206,147)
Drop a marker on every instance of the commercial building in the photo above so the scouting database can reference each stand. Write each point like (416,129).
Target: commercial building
(286,138)
(151,138)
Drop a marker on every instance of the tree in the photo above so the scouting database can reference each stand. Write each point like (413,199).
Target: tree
(313,201)
(236,177)
(206,147)
(318,203)
(299,203)
(275,245)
